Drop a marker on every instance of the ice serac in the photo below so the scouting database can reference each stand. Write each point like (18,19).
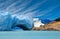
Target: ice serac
(5,21)
(25,21)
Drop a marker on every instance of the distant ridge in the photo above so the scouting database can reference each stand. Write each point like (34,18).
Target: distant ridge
(58,19)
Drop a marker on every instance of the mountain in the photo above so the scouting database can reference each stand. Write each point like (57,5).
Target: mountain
(45,21)
(57,19)
(55,25)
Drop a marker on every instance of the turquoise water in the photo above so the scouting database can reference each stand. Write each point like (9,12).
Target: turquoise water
(30,35)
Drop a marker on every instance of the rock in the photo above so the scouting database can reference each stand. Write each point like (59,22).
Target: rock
(55,26)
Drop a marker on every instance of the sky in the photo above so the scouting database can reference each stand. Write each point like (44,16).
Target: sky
(34,8)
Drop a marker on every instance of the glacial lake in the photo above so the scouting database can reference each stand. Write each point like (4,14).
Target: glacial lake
(29,34)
